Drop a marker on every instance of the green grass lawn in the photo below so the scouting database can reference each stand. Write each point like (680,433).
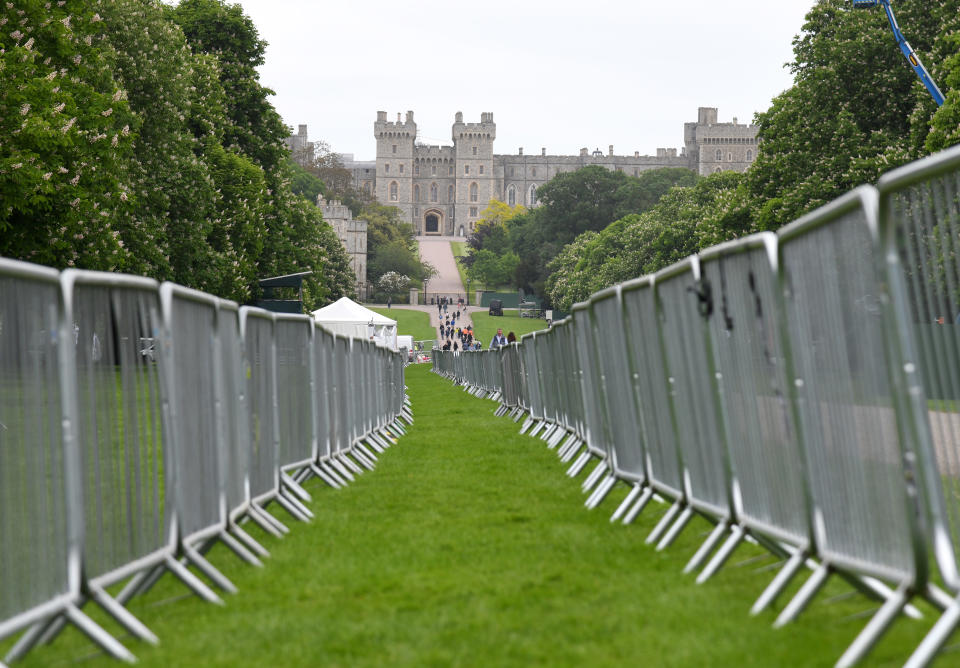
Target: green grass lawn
(469,546)
(410,322)
(485,326)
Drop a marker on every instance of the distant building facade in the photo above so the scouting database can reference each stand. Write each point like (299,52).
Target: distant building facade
(444,189)
(300,147)
(353,236)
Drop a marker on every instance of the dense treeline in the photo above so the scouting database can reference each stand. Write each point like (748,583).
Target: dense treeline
(855,111)
(137,137)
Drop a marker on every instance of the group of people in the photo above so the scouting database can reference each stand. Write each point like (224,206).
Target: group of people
(457,338)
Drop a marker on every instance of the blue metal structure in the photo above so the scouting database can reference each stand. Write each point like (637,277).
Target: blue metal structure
(905,47)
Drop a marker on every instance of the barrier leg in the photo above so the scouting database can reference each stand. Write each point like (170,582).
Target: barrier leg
(34,636)
(340,468)
(332,473)
(936,638)
(574,449)
(529,422)
(877,626)
(638,506)
(571,442)
(296,509)
(291,485)
(722,554)
(537,426)
(359,457)
(123,616)
(548,433)
(208,569)
(347,459)
(780,582)
(622,508)
(876,590)
(261,514)
(373,444)
(664,522)
(320,473)
(675,529)
(594,476)
(192,582)
(366,451)
(248,540)
(96,633)
(556,438)
(578,465)
(601,492)
(803,597)
(138,584)
(707,547)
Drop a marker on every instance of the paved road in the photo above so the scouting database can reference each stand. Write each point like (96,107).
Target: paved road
(436,251)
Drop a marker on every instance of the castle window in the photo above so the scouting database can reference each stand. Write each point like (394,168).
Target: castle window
(433,170)
(416,193)
(394,148)
(416,170)
(481,169)
(474,150)
(533,196)
(719,155)
(393,191)
(473,212)
(636,172)
(366,187)
(512,195)
(716,170)
(450,171)
(729,157)
(473,192)
(533,172)
(433,192)
(386,168)
(511,171)
(401,168)
(749,155)
(449,193)
(466,169)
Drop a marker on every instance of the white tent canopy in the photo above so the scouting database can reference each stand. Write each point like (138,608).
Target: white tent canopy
(348,318)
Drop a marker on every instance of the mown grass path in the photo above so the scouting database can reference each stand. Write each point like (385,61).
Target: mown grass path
(469,547)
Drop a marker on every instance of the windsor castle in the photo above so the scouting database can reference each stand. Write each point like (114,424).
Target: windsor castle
(442,190)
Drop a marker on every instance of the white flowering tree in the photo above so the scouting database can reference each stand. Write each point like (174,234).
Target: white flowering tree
(65,134)
(392,284)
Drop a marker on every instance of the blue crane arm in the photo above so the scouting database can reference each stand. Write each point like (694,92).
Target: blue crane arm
(905,47)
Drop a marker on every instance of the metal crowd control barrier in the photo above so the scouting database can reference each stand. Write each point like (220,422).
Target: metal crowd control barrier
(199,467)
(296,420)
(646,358)
(681,301)
(40,503)
(740,279)
(626,444)
(867,517)
(920,218)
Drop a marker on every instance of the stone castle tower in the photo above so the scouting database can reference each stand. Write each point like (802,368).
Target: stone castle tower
(444,189)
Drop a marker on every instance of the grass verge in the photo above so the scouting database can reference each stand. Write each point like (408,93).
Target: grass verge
(485,325)
(414,323)
(468,546)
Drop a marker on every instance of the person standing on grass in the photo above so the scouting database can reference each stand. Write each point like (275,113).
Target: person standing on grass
(511,338)
(389,302)
(499,340)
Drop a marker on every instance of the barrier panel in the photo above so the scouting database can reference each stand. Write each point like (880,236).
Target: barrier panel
(865,512)
(682,300)
(920,218)
(646,357)
(296,419)
(39,528)
(746,342)
(606,311)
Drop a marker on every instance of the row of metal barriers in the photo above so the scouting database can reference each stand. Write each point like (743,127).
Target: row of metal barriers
(140,423)
(799,390)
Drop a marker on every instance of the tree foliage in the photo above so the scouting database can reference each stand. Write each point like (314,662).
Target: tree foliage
(136,137)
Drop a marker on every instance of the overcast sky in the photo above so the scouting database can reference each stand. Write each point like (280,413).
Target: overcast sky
(555,73)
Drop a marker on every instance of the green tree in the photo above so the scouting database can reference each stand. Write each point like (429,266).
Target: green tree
(65,135)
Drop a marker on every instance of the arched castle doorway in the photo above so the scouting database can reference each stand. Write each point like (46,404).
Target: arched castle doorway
(433,222)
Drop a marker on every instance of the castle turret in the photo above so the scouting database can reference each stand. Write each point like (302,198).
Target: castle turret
(473,148)
(395,153)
